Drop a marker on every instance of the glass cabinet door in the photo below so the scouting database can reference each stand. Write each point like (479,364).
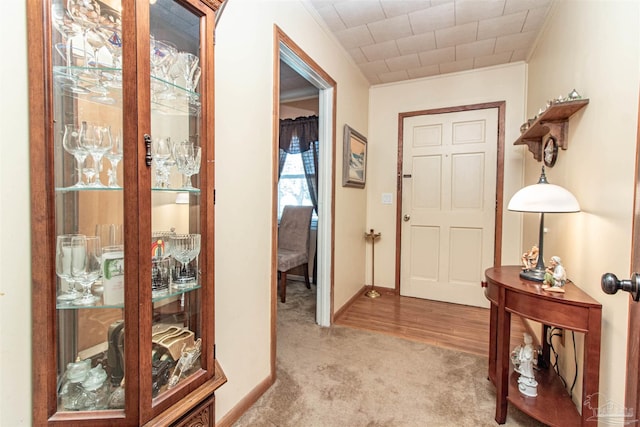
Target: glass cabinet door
(176,241)
(130,218)
(87,166)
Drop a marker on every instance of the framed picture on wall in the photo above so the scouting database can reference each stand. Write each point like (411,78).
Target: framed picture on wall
(354,163)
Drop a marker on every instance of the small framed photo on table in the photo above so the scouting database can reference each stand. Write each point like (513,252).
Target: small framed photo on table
(354,164)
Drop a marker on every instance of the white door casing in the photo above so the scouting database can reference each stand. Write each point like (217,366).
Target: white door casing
(448,201)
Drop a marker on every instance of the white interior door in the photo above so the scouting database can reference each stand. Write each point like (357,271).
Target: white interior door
(448,205)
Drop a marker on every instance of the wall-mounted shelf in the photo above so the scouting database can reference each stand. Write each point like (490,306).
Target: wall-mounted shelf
(554,121)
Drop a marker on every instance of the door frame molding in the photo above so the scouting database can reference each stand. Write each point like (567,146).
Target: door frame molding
(632,386)
(286,49)
(501,106)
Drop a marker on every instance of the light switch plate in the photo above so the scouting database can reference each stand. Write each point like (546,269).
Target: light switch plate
(387,198)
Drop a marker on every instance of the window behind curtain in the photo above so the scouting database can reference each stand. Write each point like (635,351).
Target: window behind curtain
(292,187)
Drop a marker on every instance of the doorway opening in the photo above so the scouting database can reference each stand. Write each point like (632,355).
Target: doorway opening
(297,60)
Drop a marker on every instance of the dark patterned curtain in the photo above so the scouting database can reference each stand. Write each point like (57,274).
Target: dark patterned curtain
(300,135)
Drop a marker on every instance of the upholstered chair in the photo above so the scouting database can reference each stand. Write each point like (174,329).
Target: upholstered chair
(293,244)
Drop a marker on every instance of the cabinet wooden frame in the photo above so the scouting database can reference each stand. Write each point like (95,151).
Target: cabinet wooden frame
(140,406)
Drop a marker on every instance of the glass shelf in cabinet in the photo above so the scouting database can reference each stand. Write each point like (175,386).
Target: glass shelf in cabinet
(172,292)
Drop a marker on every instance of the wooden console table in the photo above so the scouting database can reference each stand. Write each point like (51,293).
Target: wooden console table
(574,310)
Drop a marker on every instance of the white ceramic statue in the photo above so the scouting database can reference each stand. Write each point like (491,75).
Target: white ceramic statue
(523,358)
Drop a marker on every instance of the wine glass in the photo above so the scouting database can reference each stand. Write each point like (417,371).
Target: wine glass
(72,145)
(64,251)
(97,141)
(162,148)
(187,156)
(86,264)
(86,13)
(184,249)
(114,155)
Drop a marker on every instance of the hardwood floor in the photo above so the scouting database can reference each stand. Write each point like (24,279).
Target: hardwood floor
(454,326)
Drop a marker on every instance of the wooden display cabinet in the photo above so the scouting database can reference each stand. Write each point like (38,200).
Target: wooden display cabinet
(122,183)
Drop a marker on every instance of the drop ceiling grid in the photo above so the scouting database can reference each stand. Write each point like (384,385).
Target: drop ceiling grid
(394,40)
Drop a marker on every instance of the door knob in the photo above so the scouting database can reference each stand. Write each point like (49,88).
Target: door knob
(610,285)
(406,217)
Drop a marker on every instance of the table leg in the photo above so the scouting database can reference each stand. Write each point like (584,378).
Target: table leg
(502,362)
(493,342)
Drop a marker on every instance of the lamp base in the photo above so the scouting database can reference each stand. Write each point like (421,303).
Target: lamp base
(534,274)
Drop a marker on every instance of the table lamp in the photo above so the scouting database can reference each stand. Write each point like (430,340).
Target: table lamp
(542,198)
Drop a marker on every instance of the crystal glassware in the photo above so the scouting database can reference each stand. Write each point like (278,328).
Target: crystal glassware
(72,145)
(187,157)
(184,249)
(162,149)
(86,265)
(114,155)
(64,252)
(97,141)
(69,29)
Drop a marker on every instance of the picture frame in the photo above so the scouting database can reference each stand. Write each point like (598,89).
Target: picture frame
(354,162)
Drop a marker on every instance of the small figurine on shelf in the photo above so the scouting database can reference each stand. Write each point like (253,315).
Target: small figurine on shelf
(523,358)
(530,258)
(186,362)
(555,276)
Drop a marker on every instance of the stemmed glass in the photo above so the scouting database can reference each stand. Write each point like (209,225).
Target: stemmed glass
(97,141)
(114,155)
(64,254)
(187,156)
(72,145)
(86,264)
(162,148)
(188,63)
(86,13)
(184,248)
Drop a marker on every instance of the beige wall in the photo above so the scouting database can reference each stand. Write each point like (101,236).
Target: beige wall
(593,46)
(15,253)
(244,108)
(506,83)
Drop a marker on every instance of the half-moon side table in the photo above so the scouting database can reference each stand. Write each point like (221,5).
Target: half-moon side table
(573,310)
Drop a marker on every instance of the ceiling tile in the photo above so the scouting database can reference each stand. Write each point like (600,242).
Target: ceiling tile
(432,19)
(471,50)
(331,17)
(430,70)
(489,60)
(474,10)
(436,56)
(535,19)
(515,41)
(456,35)
(452,67)
(519,55)
(402,7)
(418,43)
(353,14)
(403,62)
(501,26)
(390,29)
(357,55)
(354,37)
(381,50)
(393,76)
(512,6)
(376,67)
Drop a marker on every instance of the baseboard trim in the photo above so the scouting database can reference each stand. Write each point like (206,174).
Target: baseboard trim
(348,304)
(247,402)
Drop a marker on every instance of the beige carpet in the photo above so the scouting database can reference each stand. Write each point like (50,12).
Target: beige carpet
(346,377)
